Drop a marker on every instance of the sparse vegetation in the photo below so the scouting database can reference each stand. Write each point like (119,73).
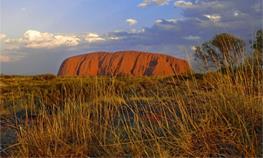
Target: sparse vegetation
(214,115)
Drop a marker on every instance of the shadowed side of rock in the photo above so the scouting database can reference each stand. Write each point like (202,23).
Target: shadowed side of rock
(123,63)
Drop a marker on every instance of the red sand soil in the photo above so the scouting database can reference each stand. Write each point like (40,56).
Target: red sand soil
(123,63)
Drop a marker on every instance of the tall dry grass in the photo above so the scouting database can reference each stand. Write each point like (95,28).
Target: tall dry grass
(215,115)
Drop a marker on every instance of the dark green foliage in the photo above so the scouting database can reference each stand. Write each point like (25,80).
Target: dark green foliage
(224,50)
(254,62)
(257,44)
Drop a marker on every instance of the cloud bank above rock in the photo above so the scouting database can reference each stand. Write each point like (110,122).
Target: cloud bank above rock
(200,21)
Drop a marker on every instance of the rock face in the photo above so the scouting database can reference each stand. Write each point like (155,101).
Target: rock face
(123,63)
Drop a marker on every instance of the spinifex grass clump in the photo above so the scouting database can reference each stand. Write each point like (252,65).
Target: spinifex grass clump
(215,114)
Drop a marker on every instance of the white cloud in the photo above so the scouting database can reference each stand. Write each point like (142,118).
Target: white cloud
(137,31)
(32,35)
(5,58)
(158,21)
(146,3)
(143,4)
(131,21)
(11,44)
(2,36)
(171,20)
(208,4)
(214,18)
(93,37)
(113,38)
(236,13)
(66,40)
(161,2)
(36,39)
(191,37)
(183,4)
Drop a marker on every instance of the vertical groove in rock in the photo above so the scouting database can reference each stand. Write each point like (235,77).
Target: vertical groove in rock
(118,66)
(135,63)
(79,66)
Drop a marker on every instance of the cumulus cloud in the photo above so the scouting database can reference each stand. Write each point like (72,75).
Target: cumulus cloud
(33,39)
(36,39)
(183,4)
(137,31)
(172,20)
(131,21)
(166,24)
(214,18)
(12,43)
(2,36)
(237,13)
(158,21)
(146,3)
(93,37)
(143,4)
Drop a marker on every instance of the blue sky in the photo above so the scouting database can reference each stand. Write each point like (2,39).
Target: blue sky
(78,16)
(36,36)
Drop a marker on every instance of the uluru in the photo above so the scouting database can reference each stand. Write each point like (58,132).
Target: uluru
(123,63)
